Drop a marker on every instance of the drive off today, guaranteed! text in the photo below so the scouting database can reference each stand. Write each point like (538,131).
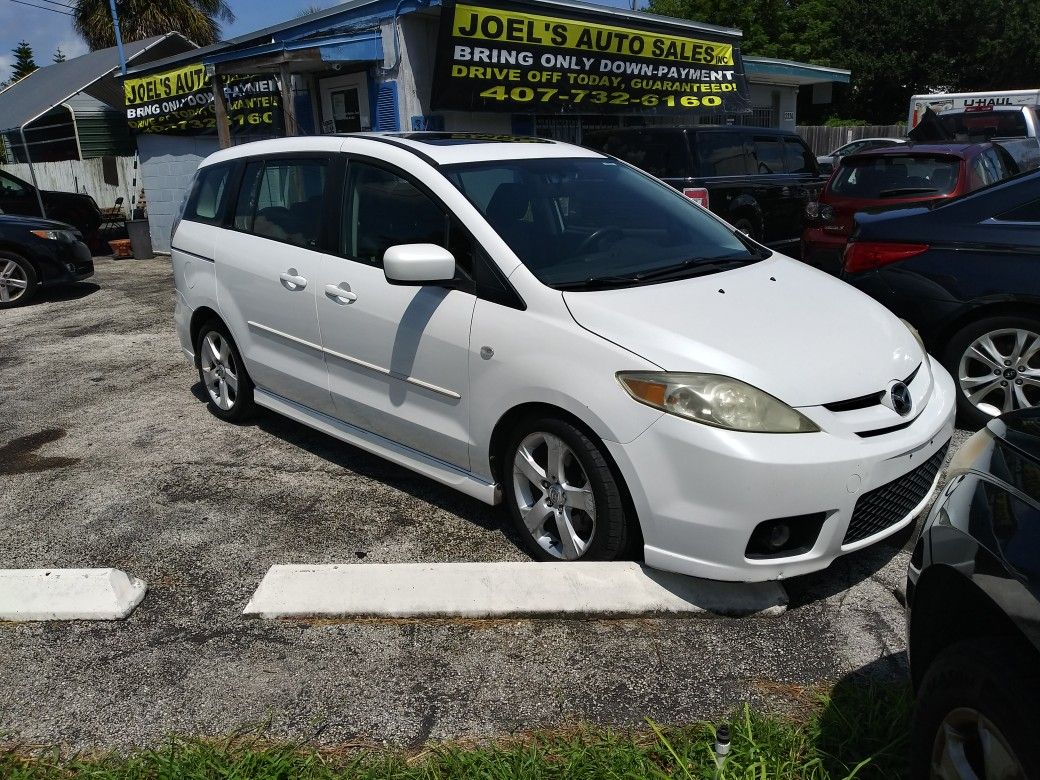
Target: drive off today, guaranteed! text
(500,59)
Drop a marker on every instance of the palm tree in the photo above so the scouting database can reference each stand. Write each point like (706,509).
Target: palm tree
(197,20)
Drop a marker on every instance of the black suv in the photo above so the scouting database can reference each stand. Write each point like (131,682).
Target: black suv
(757,179)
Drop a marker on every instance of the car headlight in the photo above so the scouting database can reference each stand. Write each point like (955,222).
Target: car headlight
(715,400)
(917,335)
(66,236)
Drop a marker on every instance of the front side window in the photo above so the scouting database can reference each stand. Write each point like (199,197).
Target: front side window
(12,187)
(798,157)
(383,209)
(590,222)
(289,201)
(769,155)
(207,196)
(896,176)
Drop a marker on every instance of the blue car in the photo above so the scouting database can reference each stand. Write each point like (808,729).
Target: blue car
(966,274)
(35,253)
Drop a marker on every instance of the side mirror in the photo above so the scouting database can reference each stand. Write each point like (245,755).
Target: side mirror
(418,264)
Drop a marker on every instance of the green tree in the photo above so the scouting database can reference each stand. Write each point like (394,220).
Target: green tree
(197,20)
(59,56)
(24,64)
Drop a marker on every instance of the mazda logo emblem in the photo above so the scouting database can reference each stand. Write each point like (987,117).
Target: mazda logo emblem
(899,399)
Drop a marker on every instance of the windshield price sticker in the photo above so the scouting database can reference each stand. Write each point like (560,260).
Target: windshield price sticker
(499,58)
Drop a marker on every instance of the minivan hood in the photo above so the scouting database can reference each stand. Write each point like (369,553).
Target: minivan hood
(795,332)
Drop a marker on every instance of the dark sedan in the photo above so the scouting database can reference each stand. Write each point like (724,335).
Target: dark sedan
(973,610)
(966,274)
(37,252)
(21,198)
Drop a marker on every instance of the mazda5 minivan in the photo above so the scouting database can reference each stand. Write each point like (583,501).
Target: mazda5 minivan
(539,324)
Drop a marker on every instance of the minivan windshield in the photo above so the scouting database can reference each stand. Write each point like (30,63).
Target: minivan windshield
(588,223)
(895,176)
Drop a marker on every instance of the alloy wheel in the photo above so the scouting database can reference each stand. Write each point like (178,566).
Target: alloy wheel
(968,746)
(554,496)
(1000,371)
(13,281)
(219,372)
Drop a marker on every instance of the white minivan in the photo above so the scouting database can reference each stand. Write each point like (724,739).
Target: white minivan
(536,323)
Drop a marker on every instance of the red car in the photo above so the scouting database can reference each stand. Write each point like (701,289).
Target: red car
(891,178)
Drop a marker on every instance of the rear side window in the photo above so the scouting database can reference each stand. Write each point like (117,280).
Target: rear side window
(246,202)
(798,157)
(206,201)
(722,154)
(289,201)
(769,155)
(896,176)
(660,154)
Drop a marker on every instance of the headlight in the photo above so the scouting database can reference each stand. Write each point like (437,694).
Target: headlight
(67,236)
(715,400)
(917,336)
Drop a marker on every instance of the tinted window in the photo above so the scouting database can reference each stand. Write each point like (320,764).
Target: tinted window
(208,194)
(895,176)
(289,201)
(572,219)
(11,186)
(798,157)
(769,155)
(660,154)
(1029,212)
(246,202)
(721,154)
(383,209)
(983,172)
(985,124)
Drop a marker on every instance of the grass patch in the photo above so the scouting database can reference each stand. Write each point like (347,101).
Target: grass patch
(856,732)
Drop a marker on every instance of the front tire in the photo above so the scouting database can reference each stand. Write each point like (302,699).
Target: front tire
(562,494)
(223,375)
(996,364)
(18,280)
(976,714)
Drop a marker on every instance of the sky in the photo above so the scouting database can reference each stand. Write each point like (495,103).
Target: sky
(48,30)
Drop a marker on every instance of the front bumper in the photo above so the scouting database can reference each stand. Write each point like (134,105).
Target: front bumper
(700,492)
(65,262)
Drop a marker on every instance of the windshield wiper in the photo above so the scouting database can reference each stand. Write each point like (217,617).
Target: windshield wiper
(905,191)
(698,265)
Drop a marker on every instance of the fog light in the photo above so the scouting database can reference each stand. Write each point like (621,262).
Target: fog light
(784,537)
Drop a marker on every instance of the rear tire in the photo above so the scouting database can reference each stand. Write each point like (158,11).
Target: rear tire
(995,363)
(976,704)
(561,492)
(18,281)
(225,381)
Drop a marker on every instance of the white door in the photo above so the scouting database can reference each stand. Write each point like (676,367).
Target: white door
(344,104)
(269,275)
(397,356)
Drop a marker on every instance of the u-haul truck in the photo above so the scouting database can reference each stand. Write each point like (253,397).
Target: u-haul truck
(976,101)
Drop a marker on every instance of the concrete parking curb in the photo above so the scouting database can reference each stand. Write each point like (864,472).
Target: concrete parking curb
(68,594)
(502,590)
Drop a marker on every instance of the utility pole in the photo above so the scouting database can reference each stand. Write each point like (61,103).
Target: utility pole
(119,36)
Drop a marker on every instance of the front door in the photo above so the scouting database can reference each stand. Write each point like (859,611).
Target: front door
(397,356)
(344,104)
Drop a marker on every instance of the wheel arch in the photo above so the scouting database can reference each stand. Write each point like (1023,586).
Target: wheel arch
(508,422)
(948,608)
(1017,307)
(200,317)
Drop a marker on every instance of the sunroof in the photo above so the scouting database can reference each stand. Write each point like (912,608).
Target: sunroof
(455,139)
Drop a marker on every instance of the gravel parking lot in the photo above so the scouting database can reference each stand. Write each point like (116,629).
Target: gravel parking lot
(109,457)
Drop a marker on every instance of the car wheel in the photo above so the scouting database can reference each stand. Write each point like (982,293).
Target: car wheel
(747,226)
(18,282)
(976,714)
(562,494)
(996,364)
(223,375)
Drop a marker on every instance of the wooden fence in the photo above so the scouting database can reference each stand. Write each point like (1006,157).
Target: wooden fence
(85,176)
(824,140)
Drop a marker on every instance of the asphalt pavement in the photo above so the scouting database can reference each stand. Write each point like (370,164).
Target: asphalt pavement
(109,457)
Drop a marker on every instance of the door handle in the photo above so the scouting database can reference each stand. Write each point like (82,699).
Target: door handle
(340,293)
(291,280)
